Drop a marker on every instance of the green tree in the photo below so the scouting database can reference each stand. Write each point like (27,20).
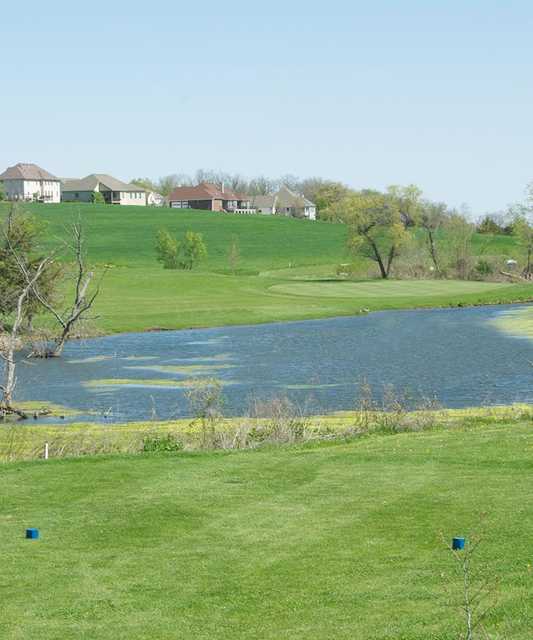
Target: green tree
(523,232)
(167,249)
(97,198)
(144,183)
(375,226)
(2,191)
(328,194)
(167,184)
(408,202)
(489,226)
(191,250)
(20,245)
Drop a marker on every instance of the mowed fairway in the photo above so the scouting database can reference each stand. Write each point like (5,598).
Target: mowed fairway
(286,270)
(135,300)
(339,541)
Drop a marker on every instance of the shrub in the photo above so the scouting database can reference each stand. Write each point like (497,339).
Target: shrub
(174,254)
(192,249)
(167,249)
(97,198)
(483,268)
(206,403)
(161,443)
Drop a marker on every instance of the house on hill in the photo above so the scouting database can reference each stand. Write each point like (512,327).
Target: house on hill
(113,191)
(209,197)
(286,203)
(29,182)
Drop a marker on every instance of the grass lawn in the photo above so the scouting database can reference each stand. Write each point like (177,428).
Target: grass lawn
(413,289)
(331,541)
(139,299)
(283,274)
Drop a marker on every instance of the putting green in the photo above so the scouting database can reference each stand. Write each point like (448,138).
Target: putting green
(385,288)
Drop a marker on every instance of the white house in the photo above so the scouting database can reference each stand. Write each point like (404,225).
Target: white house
(285,203)
(113,191)
(29,182)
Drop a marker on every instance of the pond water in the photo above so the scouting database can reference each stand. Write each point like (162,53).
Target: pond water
(457,356)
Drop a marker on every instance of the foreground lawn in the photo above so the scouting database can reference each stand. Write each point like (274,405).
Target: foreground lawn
(286,270)
(338,541)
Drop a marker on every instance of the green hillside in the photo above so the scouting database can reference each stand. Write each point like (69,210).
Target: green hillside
(125,236)
(333,541)
(286,270)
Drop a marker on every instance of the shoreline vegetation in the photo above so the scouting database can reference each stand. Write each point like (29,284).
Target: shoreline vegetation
(282,426)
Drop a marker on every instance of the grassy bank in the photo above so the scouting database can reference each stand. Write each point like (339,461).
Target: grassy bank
(25,440)
(286,271)
(317,541)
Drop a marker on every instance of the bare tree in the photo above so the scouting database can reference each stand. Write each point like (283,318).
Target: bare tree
(478,591)
(262,186)
(460,234)
(206,403)
(11,342)
(234,254)
(431,218)
(83,299)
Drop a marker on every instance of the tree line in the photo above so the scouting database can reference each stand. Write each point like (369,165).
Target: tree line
(399,224)
(315,188)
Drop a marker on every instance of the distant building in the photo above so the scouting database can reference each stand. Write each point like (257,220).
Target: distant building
(209,197)
(29,182)
(113,191)
(285,203)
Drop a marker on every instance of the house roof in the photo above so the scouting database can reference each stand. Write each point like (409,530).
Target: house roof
(287,198)
(283,198)
(90,182)
(264,201)
(204,191)
(27,171)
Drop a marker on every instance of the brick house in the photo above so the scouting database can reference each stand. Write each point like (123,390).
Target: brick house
(209,197)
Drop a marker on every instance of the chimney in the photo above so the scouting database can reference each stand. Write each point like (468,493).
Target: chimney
(222,186)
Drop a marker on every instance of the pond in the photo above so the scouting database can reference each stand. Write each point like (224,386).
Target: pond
(458,356)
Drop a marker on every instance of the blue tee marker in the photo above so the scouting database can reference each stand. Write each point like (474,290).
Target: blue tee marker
(32,534)
(458,544)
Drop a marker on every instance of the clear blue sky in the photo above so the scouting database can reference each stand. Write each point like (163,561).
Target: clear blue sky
(437,93)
